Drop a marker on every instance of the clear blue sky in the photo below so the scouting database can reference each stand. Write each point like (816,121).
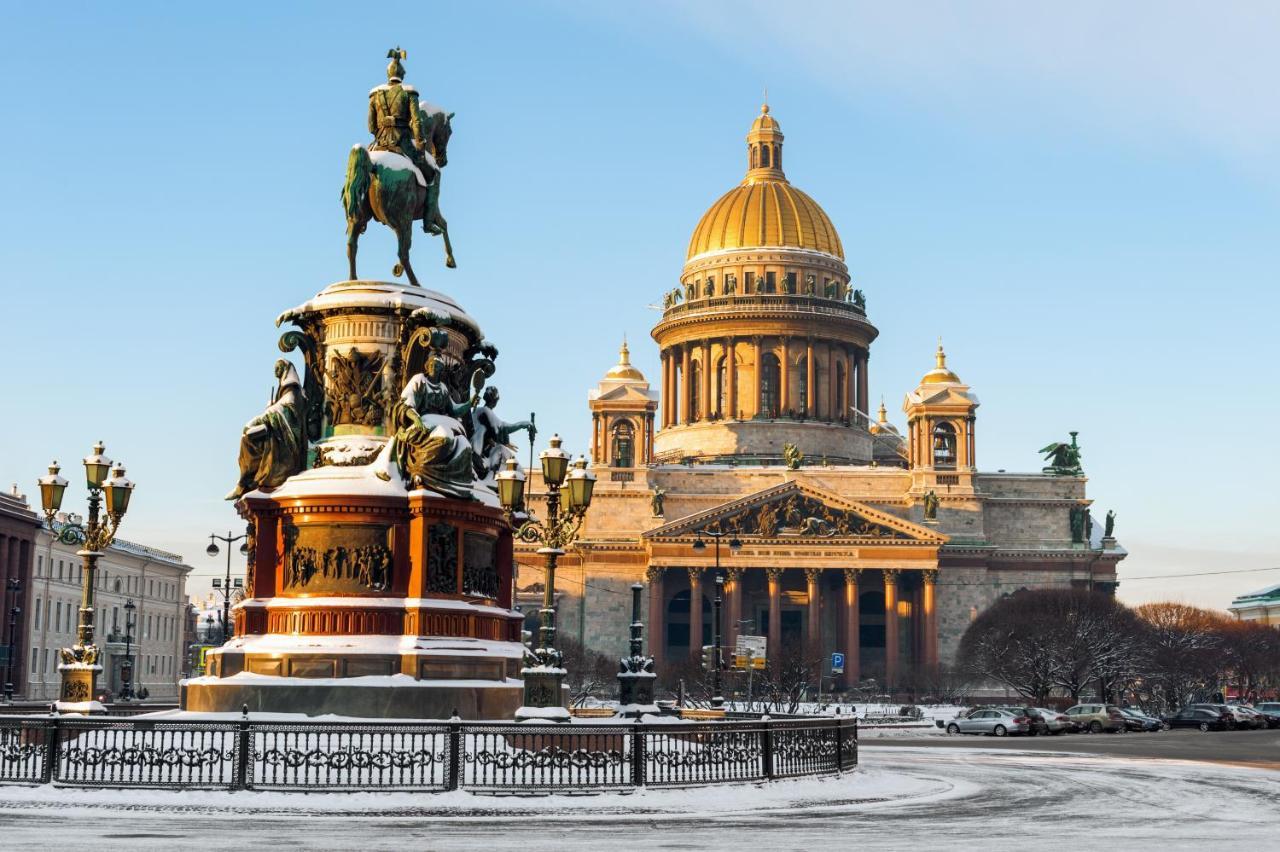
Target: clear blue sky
(1084,203)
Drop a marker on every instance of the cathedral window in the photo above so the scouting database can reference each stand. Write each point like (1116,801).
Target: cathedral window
(770,383)
(790,285)
(944,446)
(803,385)
(624,443)
(764,156)
(771,282)
(749,279)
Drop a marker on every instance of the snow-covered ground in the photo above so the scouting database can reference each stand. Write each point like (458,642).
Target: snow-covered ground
(899,798)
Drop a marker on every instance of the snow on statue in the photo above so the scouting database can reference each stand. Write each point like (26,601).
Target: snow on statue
(431,446)
(272,447)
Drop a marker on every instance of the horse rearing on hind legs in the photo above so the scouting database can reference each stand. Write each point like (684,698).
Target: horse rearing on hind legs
(387,186)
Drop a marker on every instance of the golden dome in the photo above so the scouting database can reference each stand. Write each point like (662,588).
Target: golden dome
(765,210)
(623,371)
(940,374)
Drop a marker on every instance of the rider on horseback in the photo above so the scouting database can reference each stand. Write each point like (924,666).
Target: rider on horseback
(396,125)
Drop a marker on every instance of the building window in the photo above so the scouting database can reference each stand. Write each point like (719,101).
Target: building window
(59,569)
(770,383)
(771,282)
(802,383)
(35,656)
(37,627)
(764,156)
(944,446)
(39,568)
(749,282)
(789,284)
(624,444)
(57,624)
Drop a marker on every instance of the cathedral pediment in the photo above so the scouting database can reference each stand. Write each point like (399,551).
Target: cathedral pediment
(799,511)
(624,392)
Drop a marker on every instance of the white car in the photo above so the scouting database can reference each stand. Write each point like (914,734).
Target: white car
(997,722)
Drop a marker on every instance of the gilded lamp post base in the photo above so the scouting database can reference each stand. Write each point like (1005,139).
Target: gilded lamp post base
(78,679)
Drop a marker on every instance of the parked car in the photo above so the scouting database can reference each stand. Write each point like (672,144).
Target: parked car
(1229,720)
(995,721)
(1258,720)
(1056,722)
(1136,721)
(1037,722)
(1271,710)
(1096,718)
(1197,717)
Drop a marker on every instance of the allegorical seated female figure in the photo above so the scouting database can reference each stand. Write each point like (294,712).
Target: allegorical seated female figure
(431,445)
(272,446)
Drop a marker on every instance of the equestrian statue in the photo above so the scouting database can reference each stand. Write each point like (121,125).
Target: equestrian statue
(396,180)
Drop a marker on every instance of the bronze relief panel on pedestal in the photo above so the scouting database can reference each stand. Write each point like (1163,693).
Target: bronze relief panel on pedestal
(338,558)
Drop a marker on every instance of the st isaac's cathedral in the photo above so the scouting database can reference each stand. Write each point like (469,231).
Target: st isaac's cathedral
(856,537)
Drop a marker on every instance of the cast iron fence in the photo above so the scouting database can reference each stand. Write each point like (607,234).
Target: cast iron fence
(417,756)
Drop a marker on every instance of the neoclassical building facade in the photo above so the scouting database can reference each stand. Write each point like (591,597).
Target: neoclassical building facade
(856,536)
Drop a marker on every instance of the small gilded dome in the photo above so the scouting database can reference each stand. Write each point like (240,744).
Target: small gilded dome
(940,374)
(764,121)
(623,371)
(765,210)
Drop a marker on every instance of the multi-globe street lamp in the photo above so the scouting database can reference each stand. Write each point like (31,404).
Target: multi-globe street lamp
(109,492)
(568,496)
(717,699)
(226,588)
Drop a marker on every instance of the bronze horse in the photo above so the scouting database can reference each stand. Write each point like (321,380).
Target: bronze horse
(395,198)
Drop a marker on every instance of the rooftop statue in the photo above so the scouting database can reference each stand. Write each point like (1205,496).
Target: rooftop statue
(396,180)
(1063,459)
(272,446)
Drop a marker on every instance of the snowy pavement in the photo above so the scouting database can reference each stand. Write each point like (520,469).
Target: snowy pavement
(900,796)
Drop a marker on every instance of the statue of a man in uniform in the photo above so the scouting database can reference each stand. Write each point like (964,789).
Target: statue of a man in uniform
(396,123)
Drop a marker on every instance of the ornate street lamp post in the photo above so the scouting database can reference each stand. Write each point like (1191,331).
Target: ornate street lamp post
(109,491)
(15,586)
(127,672)
(717,699)
(226,587)
(568,496)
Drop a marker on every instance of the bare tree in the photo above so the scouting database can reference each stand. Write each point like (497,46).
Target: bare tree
(1185,652)
(1065,639)
(590,673)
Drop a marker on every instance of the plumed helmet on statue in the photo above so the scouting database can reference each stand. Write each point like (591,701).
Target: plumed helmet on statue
(395,71)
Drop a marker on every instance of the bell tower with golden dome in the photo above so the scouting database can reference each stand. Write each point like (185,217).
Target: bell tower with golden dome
(765,342)
(941,413)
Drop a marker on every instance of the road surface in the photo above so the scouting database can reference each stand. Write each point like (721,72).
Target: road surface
(904,796)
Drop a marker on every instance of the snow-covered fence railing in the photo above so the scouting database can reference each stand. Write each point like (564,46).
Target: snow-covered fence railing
(417,756)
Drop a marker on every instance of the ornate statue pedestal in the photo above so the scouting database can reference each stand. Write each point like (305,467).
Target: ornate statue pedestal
(375,604)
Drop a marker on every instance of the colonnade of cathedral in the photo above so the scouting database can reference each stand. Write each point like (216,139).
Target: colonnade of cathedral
(881,619)
(787,377)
